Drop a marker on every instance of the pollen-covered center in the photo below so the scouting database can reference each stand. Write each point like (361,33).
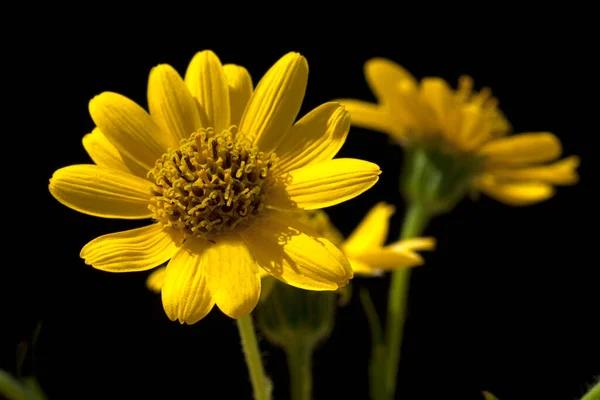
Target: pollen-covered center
(212,184)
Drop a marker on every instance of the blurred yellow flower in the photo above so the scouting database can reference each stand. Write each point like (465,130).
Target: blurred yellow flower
(221,169)
(467,124)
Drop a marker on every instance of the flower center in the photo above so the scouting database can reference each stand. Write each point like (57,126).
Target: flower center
(212,184)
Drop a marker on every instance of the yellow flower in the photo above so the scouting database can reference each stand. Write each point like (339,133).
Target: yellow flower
(365,247)
(512,169)
(220,168)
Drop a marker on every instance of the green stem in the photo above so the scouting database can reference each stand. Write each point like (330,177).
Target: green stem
(260,383)
(415,220)
(593,394)
(299,356)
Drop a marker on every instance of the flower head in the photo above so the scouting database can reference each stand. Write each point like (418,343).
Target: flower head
(220,169)
(466,130)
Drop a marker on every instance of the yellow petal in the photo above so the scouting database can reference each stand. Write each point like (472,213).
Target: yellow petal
(372,231)
(129,128)
(104,154)
(296,254)
(387,259)
(413,112)
(324,184)
(363,269)
(275,103)
(155,280)
(186,295)
(171,104)
(101,192)
(206,81)
(383,76)
(515,194)
(563,172)
(317,137)
(267,284)
(522,149)
(414,244)
(372,116)
(233,275)
(239,82)
(438,94)
(133,250)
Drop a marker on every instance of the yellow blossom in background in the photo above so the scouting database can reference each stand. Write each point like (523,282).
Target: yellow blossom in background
(514,169)
(221,169)
(365,247)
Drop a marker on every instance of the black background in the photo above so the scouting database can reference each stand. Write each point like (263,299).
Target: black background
(508,302)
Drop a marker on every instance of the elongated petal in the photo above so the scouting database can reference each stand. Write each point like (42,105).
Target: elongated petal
(372,116)
(324,184)
(233,275)
(239,82)
(101,192)
(414,244)
(275,103)
(383,76)
(133,250)
(186,295)
(389,259)
(206,81)
(317,137)
(155,280)
(171,104)
(438,94)
(522,149)
(104,154)
(563,172)
(296,254)
(372,231)
(515,194)
(129,128)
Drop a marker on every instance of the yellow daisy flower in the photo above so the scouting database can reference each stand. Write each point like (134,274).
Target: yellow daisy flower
(365,247)
(469,127)
(220,168)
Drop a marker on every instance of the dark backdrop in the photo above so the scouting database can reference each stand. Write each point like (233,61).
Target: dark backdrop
(508,302)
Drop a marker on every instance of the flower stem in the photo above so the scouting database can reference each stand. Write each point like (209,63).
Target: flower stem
(260,383)
(299,356)
(415,220)
(593,394)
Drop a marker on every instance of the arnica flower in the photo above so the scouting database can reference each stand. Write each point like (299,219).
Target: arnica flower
(220,169)
(466,131)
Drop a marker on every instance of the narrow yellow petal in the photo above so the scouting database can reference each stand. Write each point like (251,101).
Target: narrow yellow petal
(240,86)
(324,184)
(267,284)
(514,194)
(522,149)
(387,259)
(317,137)
(438,94)
(383,76)
(207,82)
(415,244)
(155,280)
(233,275)
(363,269)
(129,128)
(372,116)
(413,112)
(101,192)
(186,295)
(372,231)
(133,250)
(296,254)
(563,172)
(104,154)
(171,104)
(275,103)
